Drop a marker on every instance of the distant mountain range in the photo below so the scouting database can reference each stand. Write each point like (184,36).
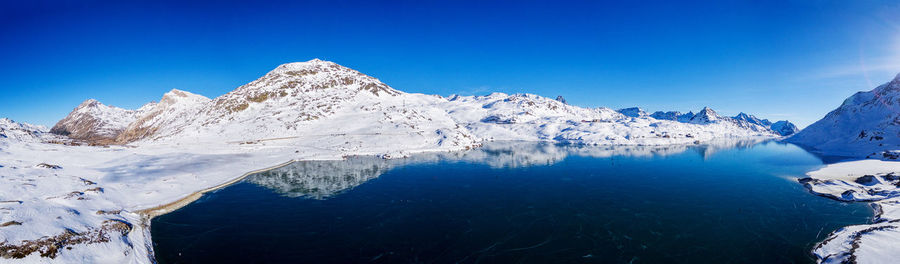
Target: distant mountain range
(707,115)
(323,98)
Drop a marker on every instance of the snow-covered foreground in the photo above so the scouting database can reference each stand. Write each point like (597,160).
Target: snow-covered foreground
(872,181)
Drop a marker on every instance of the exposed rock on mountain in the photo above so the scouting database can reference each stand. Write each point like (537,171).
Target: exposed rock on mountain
(561,99)
(632,112)
(866,123)
(671,115)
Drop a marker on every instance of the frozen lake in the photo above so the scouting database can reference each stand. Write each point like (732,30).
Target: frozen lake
(518,202)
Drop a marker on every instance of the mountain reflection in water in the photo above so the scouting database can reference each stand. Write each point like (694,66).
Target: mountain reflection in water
(321,179)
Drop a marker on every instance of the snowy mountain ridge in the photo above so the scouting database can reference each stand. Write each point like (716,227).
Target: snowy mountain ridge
(707,115)
(318,97)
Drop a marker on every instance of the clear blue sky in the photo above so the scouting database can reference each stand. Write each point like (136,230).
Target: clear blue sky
(793,60)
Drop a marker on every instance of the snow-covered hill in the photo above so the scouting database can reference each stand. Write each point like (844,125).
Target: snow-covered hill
(866,123)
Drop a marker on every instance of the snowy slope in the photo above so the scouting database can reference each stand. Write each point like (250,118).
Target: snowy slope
(866,123)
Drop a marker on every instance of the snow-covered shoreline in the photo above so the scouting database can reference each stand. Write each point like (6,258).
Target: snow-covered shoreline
(873,181)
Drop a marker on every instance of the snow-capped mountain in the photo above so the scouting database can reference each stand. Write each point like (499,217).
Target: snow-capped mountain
(175,107)
(341,108)
(709,116)
(96,122)
(12,130)
(784,128)
(865,123)
(705,116)
(319,99)
(753,119)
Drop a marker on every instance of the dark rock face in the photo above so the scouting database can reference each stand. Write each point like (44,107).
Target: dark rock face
(561,99)
(866,180)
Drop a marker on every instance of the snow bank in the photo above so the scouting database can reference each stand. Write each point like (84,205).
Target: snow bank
(872,181)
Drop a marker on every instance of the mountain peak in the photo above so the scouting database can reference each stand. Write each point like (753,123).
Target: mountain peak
(560,99)
(706,111)
(89,103)
(176,95)
(309,65)
(706,115)
(309,77)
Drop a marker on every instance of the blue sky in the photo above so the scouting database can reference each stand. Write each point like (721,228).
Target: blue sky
(792,60)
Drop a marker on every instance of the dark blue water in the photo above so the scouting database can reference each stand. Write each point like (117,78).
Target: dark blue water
(517,202)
